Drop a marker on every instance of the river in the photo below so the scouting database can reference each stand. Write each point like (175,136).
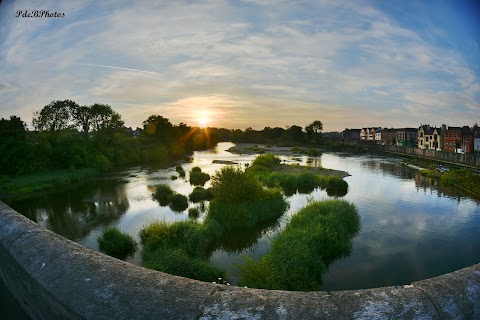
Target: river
(412,227)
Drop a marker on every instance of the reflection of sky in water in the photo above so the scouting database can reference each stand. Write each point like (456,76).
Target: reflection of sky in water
(412,228)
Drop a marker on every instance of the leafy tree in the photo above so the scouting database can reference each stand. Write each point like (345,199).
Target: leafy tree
(314,131)
(103,118)
(55,116)
(82,117)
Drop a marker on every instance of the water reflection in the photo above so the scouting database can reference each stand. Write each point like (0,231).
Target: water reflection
(412,227)
(73,214)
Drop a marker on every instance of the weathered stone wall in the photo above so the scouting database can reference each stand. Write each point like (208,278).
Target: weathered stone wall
(55,278)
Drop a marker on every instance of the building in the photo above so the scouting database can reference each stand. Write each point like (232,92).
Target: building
(389,136)
(430,138)
(378,135)
(467,143)
(351,134)
(406,137)
(452,138)
(364,133)
(476,143)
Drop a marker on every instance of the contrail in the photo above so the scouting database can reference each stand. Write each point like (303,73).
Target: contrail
(101,66)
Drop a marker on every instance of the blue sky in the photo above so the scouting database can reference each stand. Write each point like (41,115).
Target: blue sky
(251,63)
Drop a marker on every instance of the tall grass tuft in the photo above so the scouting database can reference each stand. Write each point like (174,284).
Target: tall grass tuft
(197,177)
(163,194)
(200,194)
(316,236)
(180,171)
(116,243)
(178,202)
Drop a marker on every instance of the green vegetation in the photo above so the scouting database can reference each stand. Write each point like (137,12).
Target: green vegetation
(36,182)
(430,173)
(309,152)
(464,179)
(292,178)
(180,248)
(173,177)
(316,236)
(163,194)
(116,243)
(180,171)
(178,202)
(71,137)
(197,177)
(200,194)
(240,204)
(193,213)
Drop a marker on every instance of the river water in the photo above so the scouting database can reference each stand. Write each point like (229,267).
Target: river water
(412,227)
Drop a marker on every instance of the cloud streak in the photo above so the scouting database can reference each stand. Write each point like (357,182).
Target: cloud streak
(349,64)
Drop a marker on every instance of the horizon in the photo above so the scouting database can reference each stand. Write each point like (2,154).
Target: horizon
(251,63)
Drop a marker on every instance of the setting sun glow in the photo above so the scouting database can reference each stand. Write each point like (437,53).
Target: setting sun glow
(203,121)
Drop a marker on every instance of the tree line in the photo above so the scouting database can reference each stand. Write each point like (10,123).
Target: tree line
(69,136)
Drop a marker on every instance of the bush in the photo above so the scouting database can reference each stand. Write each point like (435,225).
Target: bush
(306,182)
(116,243)
(247,214)
(162,194)
(299,256)
(197,177)
(178,202)
(193,213)
(231,184)
(180,171)
(102,164)
(200,194)
(336,187)
(173,177)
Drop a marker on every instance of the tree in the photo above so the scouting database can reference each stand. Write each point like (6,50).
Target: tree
(82,116)
(157,125)
(314,131)
(55,116)
(102,117)
(13,130)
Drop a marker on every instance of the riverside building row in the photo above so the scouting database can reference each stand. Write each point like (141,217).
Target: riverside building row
(449,139)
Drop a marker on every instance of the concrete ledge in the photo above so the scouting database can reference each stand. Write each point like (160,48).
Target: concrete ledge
(55,278)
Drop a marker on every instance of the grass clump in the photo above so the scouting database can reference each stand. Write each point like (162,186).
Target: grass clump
(116,243)
(193,213)
(299,256)
(464,179)
(163,194)
(180,171)
(178,202)
(200,194)
(240,200)
(197,177)
(181,248)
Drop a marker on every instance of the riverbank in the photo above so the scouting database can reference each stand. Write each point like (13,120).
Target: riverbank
(250,149)
(27,185)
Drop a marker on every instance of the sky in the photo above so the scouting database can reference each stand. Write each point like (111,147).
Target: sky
(247,63)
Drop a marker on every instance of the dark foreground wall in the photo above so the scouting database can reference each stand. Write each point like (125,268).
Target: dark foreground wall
(55,278)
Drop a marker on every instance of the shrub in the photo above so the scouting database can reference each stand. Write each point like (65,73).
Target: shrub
(196,170)
(193,213)
(173,177)
(197,177)
(102,164)
(316,236)
(336,187)
(306,182)
(231,184)
(162,194)
(116,243)
(200,194)
(178,202)
(247,214)
(268,161)
(180,171)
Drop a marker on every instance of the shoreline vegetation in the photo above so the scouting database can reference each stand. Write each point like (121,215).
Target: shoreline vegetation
(248,202)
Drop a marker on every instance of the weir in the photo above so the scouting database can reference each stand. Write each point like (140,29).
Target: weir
(55,278)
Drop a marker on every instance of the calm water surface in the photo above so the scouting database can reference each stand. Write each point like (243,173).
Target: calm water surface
(412,227)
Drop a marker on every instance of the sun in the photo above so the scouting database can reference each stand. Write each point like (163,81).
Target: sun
(203,121)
